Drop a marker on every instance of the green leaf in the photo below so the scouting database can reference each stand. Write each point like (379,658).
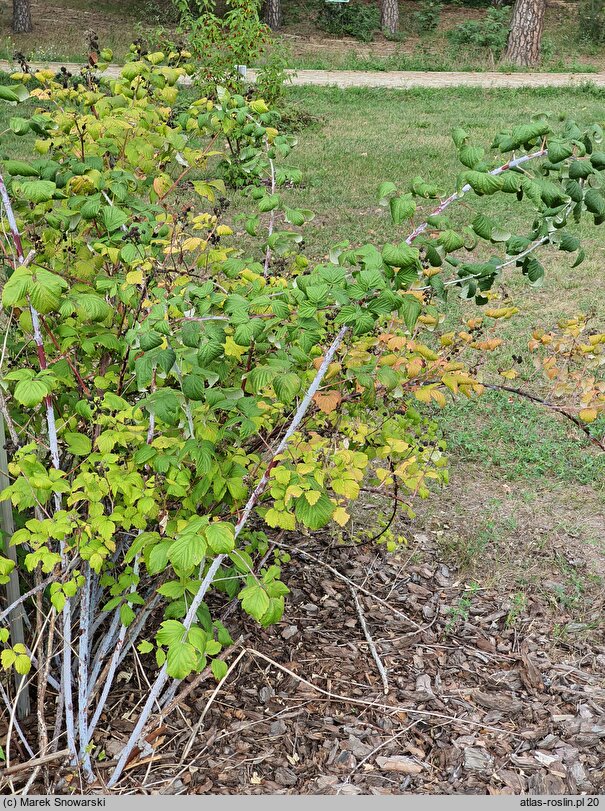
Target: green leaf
(220,537)
(181,660)
(23,664)
(193,387)
(38,191)
(459,136)
(579,169)
(451,241)
(144,647)
(598,160)
(20,126)
(219,669)
(568,242)
(170,632)
(559,151)
(30,393)
(533,270)
(8,94)
(113,217)
(400,256)
(269,203)
(187,551)
(402,208)
(471,155)
(294,216)
(254,600)
(150,340)
(385,190)
(594,201)
(127,615)
(129,253)
(16,288)
(78,444)
(410,310)
(45,290)
(90,209)
(21,168)
(314,516)
(482,183)
(287,387)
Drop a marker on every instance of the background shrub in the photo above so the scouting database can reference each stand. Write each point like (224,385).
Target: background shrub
(349,20)
(491,32)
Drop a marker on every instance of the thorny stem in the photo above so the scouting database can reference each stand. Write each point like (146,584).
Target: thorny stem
(83,660)
(459,194)
(271,218)
(54,452)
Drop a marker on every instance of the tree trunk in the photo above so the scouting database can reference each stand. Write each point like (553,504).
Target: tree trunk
(22,17)
(389,17)
(273,14)
(525,35)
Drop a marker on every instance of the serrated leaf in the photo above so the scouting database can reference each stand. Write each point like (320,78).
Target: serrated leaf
(170,632)
(194,386)
(78,444)
(114,217)
(559,151)
(220,537)
(219,669)
(402,208)
(568,242)
(38,191)
(254,600)
(30,393)
(314,516)
(287,387)
(471,156)
(451,241)
(483,183)
(16,168)
(181,660)
(269,203)
(400,256)
(410,310)
(187,551)
(384,192)
(16,288)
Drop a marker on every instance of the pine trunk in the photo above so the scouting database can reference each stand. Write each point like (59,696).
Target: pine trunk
(389,19)
(273,14)
(22,17)
(525,35)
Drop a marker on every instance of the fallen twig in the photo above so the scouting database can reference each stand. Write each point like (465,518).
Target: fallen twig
(371,644)
(32,764)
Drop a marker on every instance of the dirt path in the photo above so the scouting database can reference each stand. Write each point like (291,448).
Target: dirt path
(402,80)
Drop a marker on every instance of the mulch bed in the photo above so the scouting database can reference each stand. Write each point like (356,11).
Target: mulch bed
(480,701)
(485,696)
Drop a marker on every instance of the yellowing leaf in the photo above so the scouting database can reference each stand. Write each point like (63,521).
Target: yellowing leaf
(312,496)
(510,374)
(423,394)
(588,414)
(439,398)
(134,277)
(233,350)
(341,516)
